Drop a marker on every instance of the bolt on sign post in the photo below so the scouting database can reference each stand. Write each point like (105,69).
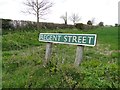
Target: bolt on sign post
(80,40)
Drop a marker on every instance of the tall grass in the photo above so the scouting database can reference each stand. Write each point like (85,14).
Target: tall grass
(23,57)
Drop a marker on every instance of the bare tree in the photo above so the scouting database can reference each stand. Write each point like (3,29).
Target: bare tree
(64,17)
(38,8)
(75,18)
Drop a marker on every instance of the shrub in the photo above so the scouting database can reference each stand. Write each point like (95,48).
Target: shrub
(101,24)
(116,25)
(6,24)
(89,22)
(79,26)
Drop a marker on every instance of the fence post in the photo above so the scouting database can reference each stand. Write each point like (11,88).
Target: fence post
(79,55)
(48,53)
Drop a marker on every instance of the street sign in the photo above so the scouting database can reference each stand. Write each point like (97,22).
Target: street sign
(75,39)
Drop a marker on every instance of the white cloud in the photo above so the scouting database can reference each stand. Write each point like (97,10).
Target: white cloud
(101,10)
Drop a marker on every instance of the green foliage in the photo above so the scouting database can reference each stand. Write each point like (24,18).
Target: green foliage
(20,40)
(99,75)
(23,57)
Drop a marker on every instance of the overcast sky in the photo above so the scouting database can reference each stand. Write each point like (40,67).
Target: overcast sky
(102,10)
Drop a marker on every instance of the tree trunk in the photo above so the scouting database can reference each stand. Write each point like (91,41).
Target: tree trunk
(37,21)
(37,15)
(66,19)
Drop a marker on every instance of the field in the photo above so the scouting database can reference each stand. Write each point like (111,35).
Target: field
(23,55)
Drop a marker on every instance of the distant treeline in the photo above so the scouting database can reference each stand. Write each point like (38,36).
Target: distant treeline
(8,24)
(21,24)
